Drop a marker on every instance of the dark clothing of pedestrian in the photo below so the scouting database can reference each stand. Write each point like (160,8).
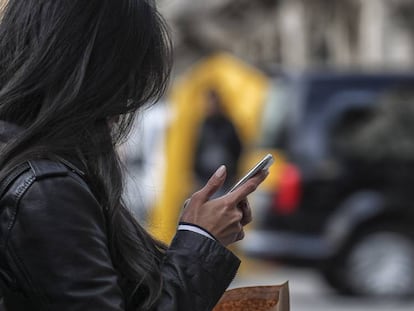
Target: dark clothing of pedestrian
(218,144)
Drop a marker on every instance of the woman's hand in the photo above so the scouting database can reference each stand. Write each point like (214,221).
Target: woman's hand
(223,217)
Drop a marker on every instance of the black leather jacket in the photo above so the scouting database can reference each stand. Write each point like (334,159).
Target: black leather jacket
(54,250)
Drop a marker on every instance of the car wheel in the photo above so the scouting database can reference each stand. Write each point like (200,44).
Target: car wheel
(378,262)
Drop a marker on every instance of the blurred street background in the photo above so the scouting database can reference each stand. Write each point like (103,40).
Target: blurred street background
(326,87)
(309,293)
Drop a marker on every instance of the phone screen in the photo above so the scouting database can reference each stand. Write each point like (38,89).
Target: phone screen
(262,165)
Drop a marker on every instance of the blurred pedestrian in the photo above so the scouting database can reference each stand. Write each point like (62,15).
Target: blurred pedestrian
(218,143)
(73,74)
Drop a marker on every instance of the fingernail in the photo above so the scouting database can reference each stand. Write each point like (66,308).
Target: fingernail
(186,203)
(221,171)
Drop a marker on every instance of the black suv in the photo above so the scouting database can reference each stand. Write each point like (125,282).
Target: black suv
(344,200)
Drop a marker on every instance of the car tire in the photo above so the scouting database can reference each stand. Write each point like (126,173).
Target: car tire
(378,261)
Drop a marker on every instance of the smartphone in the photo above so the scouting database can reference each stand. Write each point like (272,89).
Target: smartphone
(264,164)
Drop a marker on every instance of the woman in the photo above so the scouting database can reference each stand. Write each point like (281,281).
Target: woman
(72,75)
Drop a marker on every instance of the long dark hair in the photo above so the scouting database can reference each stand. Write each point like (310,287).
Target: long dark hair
(69,69)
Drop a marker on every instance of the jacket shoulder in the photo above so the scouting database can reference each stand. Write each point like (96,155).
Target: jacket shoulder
(22,176)
(44,168)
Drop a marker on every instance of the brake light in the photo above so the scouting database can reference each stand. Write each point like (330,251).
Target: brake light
(287,197)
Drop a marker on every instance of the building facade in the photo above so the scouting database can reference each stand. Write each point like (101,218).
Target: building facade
(296,33)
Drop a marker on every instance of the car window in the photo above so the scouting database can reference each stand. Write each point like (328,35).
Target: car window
(347,126)
(385,132)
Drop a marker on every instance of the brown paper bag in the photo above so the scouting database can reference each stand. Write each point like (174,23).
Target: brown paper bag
(255,298)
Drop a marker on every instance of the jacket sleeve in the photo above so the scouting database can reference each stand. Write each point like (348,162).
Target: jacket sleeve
(196,272)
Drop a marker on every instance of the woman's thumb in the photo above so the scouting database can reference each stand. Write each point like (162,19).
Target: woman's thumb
(215,181)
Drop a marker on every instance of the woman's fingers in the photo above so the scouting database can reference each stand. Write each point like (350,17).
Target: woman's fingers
(240,236)
(248,187)
(225,216)
(212,185)
(247,212)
